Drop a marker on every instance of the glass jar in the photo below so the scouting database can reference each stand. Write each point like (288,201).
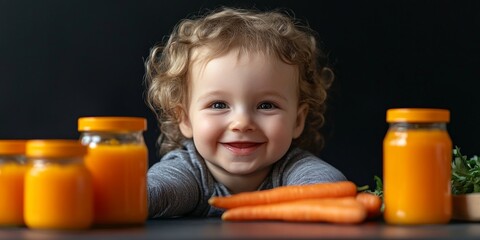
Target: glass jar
(118,160)
(417,155)
(58,186)
(12,173)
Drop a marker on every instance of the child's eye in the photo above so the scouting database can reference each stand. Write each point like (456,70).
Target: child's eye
(266,105)
(218,105)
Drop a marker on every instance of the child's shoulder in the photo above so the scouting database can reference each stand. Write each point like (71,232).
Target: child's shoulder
(301,167)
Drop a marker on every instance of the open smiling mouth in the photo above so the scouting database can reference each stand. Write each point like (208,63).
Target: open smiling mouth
(242,148)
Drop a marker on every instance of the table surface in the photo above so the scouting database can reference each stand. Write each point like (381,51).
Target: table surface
(215,228)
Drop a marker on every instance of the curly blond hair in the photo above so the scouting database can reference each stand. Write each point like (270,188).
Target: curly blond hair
(273,33)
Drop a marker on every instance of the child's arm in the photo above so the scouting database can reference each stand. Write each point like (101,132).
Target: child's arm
(172,189)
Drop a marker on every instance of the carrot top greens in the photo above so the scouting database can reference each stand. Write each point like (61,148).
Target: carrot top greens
(378,191)
(465,173)
(378,187)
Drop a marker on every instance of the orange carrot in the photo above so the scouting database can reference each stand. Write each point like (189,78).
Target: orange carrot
(372,203)
(285,194)
(346,210)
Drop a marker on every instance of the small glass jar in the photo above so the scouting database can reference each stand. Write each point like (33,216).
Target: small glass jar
(58,186)
(417,155)
(12,173)
(118,160)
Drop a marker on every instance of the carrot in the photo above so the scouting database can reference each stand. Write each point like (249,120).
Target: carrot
(346,210)
(285,194)
(372,203)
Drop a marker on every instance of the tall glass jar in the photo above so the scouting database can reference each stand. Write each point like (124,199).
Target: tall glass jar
(118,160)
(417,155)
(12,173)
(58,186)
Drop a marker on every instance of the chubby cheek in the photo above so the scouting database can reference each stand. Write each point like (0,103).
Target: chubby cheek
(279,135)
(206,134)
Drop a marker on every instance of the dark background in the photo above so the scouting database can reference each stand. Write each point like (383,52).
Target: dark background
(60,60)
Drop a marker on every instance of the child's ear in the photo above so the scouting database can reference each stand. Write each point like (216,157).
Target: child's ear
(185,125)
(300,122)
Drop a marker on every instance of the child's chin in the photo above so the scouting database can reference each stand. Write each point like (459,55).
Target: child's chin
(245,171)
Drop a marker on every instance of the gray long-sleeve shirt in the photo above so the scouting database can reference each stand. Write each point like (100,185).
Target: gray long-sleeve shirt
(180,184)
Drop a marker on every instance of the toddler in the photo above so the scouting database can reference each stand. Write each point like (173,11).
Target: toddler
(239,95)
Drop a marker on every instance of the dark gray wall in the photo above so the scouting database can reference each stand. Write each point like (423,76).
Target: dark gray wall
(60,60)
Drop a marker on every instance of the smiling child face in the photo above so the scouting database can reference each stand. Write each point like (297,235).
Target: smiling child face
(243,112)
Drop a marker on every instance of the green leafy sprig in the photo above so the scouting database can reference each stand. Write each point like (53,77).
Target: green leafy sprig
(465,173)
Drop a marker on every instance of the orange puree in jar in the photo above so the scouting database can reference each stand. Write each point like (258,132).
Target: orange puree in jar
(12,172)
(58,186)
(120,183)
(417,172)
(118,161)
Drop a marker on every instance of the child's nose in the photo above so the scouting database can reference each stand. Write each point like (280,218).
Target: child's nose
(242,122)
